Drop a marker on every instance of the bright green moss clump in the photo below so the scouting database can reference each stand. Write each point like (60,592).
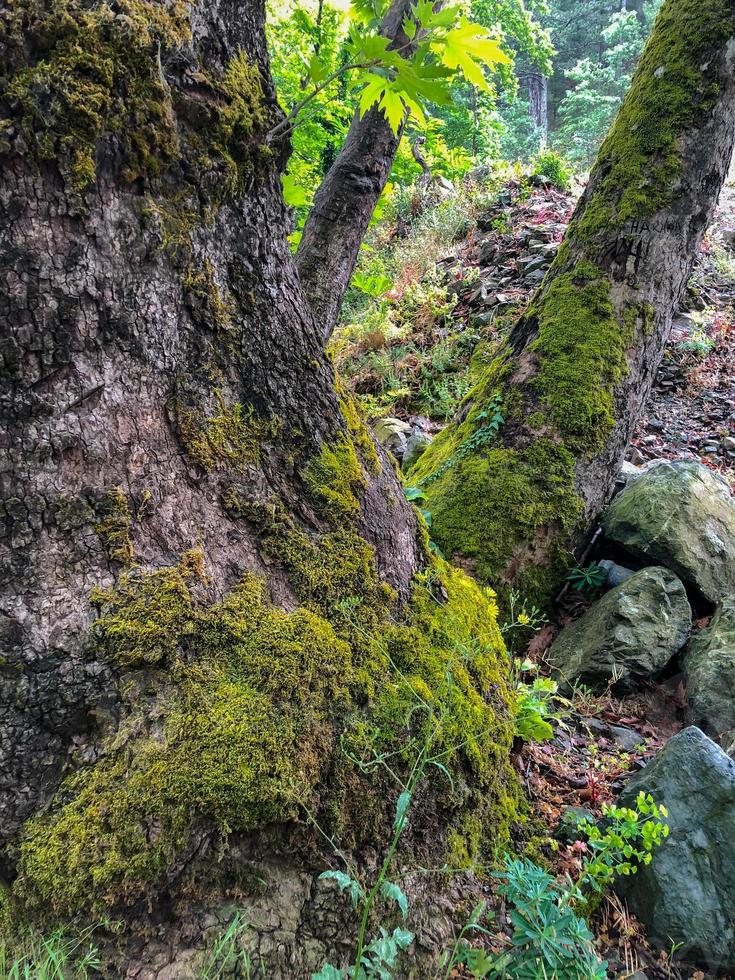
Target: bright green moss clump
(336,480)
(247,739)
(231,437)
(640,159)
(581,355)
(96,72)
(79,72)
(254,730)
(489,507)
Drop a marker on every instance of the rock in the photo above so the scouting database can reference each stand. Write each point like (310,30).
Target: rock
(629,471)
(628,739)
(685,895)
(728,444)
(393,434)
(728,236)
(635,456)
(615,574)
(628,636)
(415,445)
(709,668)
(680,515)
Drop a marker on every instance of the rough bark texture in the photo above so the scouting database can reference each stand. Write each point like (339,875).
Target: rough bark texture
(170,428)
(345,201)
(577,369)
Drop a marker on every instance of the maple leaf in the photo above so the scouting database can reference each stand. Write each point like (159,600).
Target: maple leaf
(466,48)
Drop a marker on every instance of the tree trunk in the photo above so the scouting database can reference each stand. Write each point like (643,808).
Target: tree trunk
(345,201)
(538,94)
(512,501)
(173,439)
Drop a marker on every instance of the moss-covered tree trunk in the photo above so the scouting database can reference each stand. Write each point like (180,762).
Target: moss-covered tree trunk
(513,500)
(207,570)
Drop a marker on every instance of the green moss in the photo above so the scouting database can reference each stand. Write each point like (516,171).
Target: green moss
(232,437)
(263,698)
(247,740)
(96,72)
(490,507)
(336,480)
(640,159)
(114,528)
(581,350)
(203,292)
(144,617)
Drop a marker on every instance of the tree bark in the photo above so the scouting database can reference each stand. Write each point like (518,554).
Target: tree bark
(172,437)
(345,201)
(513,501)
(538,103)
(136,314)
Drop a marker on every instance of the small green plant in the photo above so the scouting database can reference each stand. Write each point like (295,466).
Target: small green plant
(625,841)
(372,286)
(549,939)
(52,957)
(554,167)
(588,579)
(492,419)
(537,705)
(224,957)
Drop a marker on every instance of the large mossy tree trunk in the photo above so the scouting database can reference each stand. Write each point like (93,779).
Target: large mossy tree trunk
(209,572)
(513,500)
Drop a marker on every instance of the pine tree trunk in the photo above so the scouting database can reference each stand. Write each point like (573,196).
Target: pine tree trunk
(172,438)
(513,501)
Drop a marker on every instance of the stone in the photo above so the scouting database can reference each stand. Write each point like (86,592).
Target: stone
(628,636)
(415,445)
(628,739)
(728,444)
(681,515)
(393,434)
(685,895)
(615,574)
(709,669)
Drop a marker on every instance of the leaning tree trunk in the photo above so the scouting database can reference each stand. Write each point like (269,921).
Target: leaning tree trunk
(346,199)
(204,557)
(512,500)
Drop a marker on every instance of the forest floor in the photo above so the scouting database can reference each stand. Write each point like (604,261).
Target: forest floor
(459,279)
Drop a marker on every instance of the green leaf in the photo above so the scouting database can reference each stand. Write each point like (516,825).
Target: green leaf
(294,195)
(346,883)
(318,71)
(467,47)
(404,801)
(394,893)
(409,27)
(327,972)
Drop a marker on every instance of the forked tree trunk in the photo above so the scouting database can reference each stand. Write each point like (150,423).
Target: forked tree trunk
(513,501)
(170,428)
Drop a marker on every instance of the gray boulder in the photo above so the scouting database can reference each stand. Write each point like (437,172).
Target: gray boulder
(709,667)
(685,895)
(416,444)
(628,636)
(393,434)
(680,515)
